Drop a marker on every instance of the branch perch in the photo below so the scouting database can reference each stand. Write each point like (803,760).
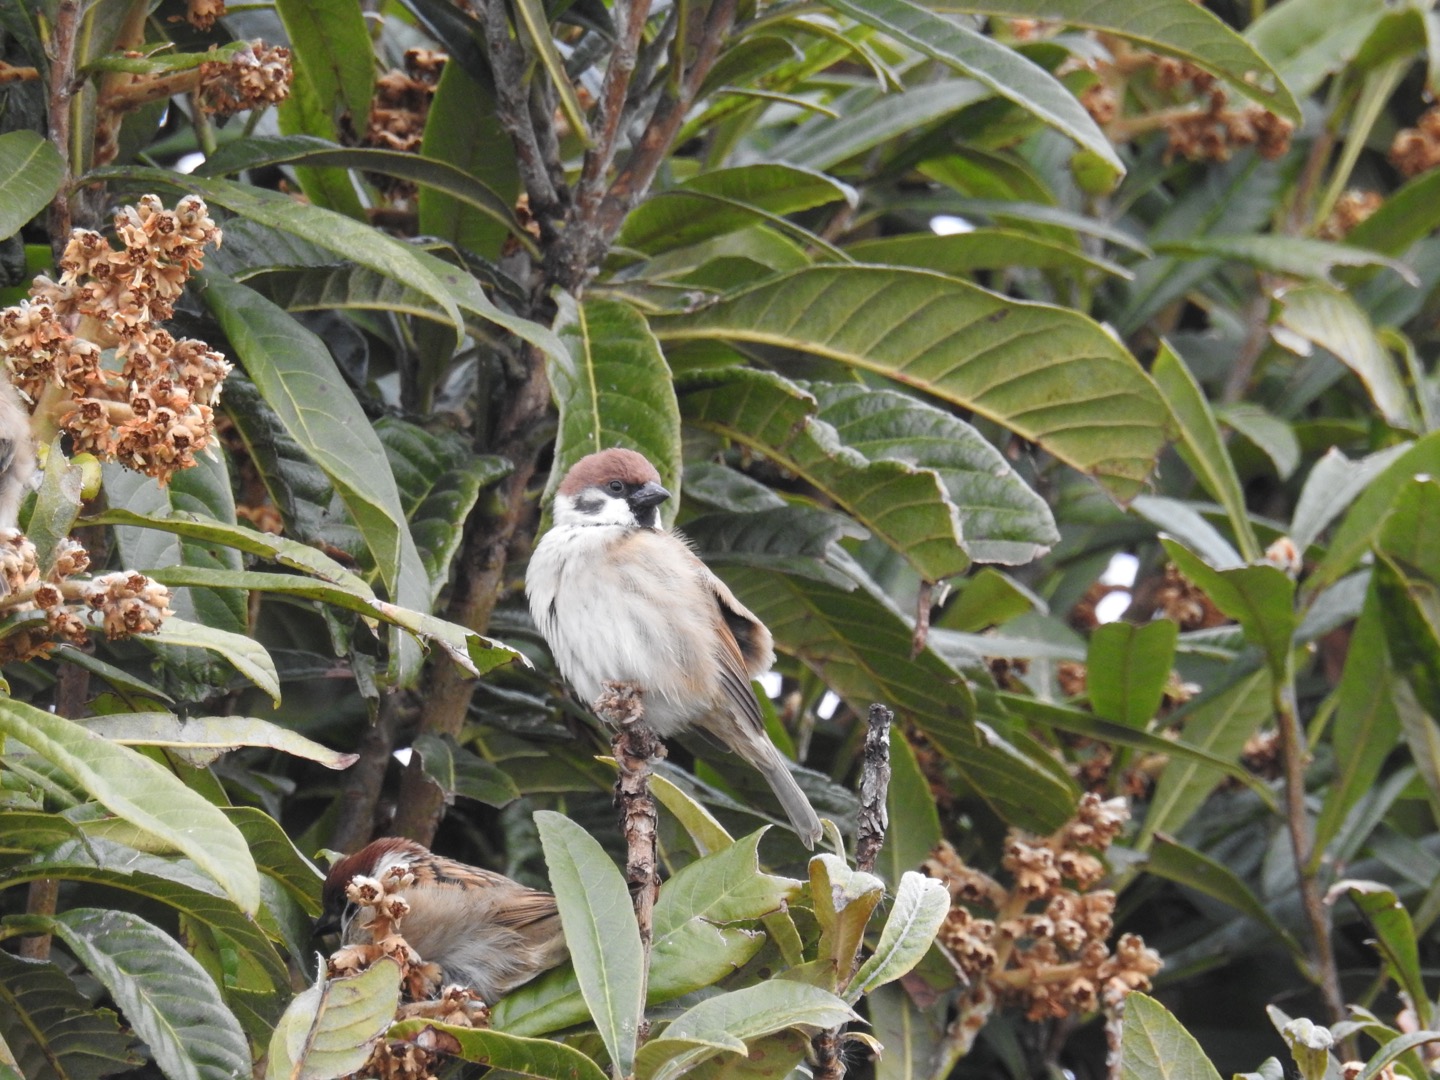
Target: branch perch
(635,745)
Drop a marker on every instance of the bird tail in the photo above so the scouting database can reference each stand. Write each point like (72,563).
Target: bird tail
(759,751)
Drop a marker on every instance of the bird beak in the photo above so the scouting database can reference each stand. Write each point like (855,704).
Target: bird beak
(328,923)
(648,495)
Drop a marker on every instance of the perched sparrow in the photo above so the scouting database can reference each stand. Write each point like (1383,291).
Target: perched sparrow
(621,600)
(483,930)
(17,454)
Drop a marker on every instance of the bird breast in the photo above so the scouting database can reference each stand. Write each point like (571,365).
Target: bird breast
(627,605)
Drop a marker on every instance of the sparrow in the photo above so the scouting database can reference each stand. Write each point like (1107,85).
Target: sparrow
(620,599)
(482,929)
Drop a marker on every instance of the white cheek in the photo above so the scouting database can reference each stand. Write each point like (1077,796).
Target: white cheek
(601,510)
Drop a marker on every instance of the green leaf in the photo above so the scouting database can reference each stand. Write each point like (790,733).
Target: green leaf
(1201,445)
(201,740)
(277,857)
(305,150)
(1332,320)
(136,789)
(1294,256)
(722,201)
(57,504)
(1395,937)
(175,883)
(1310,39)
(1046,373)
(1411,610)
(869,119)
(980,249)
(161,990)
(920,907)
(843,900)
(459,772)
(1395,1048)
(990,63)
(1002,519)
(1271,435)
(297,375)
(31,172)
(545,1059)
(51,1029)
(613,389)
(1408,214)
(914,829)
(1168,27)
(532,27)
(329,1030)
(599,925)
(715,1024)
(1126,670)
(1154,1046)
(1260,598)
(1175,862)
(249,657)
(461,128)
(440,479)
(1366,725)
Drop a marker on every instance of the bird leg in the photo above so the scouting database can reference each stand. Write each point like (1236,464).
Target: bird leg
(635,746)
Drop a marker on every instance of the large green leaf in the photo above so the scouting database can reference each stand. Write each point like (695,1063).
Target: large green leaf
(305,150)
(175,883)
(990,63)
(51,1028)
(1307,40)
(161,990)
(147,796)
(249,657)
(1049,374)
(202,739)
(726,200)
(905,505)
(1170,27)
(613,389)
(1126,669)
(1411,608)
(1292,256)
(1395,937)
(980,249)
(297,375)
(545,1059)
(600,930)
(462,129)
(31,171)
(1201,445)
(328,1030)
(1332,320)
(1154,1045)
(920,906)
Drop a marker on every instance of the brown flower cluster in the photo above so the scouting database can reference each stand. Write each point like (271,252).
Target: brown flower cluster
(380,911)
(1201,127)
(152,409)
(246,79)
(402,101)
(1040,943)
(202,14)
(1180,599)
(125,602)
(1351,209)
(1416,150)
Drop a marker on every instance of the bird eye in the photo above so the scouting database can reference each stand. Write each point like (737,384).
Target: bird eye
(616,486)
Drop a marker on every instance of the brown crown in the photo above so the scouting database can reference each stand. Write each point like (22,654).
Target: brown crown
(597,470)
(363,861)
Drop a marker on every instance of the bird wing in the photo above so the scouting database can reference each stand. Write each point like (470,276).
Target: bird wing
(740,631)
(526,908)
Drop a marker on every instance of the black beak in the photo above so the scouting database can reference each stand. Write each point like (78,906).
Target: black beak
(328,923)
(647,495)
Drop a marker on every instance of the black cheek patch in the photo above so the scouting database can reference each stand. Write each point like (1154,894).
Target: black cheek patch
(645,516)
(587,503)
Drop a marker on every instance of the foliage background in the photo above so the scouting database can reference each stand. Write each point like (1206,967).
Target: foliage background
(1188,315)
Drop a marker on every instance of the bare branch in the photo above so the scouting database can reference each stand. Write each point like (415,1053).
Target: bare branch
(874,819)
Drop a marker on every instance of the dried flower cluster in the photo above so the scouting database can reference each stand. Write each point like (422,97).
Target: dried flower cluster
(202,14)
(152,408)
(1351,209)
(1201,127)
(1180,599)
(1416,150)
(247,79)
(125,602)
(1040,943)
(380,911)
(402,101)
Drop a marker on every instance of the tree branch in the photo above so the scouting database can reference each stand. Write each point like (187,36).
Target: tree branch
(874,818)
(512,109)
(62,91)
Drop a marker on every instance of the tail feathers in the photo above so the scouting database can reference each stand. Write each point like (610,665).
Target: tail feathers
(772,766)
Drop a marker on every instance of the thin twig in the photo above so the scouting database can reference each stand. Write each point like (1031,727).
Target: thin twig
(43,895)
(630,16)
(923,602)
(1294,758)
(635,745)
(512,109)
(874,819)
(363,781)
(62,90)
(828,1064)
